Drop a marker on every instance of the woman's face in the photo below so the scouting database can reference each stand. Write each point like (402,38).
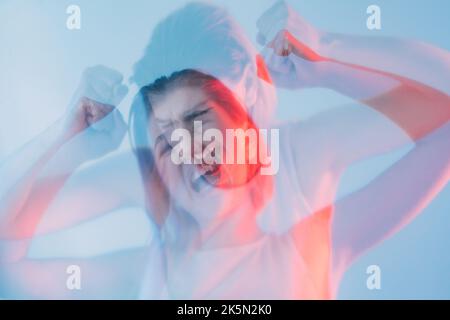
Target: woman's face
(201,189)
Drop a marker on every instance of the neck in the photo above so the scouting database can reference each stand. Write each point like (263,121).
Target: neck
(238,225)
(235,228)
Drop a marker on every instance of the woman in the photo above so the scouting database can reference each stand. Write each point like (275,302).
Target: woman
(281,236)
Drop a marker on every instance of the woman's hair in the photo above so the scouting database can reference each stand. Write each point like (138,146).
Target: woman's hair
(198,36)
(205,37)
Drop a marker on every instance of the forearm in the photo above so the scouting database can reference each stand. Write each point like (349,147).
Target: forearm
(409,58)
(20,175)
(414,106)
(91,128)
(417,108)
(355,81)
(405,80)
(393,199)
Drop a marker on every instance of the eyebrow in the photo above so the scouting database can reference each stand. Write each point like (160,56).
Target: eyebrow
(191,114)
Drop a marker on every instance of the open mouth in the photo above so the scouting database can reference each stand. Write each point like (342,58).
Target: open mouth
(205,176)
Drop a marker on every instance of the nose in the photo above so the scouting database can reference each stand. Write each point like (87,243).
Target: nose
(194,136)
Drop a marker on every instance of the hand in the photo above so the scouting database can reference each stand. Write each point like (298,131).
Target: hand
(92,115)
(292,63)
(282,17)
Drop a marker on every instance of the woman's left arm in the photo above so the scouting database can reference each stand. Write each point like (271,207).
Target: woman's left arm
(415,107)
(371,214)
(344,136)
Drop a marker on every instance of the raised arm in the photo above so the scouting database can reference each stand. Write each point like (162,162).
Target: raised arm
(368,216)
(392,79)
(301,56)
(33,176)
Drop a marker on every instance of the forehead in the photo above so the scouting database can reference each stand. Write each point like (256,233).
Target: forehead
(176,102)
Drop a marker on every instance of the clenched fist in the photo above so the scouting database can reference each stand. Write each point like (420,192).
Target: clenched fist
(291,47)
(92,116)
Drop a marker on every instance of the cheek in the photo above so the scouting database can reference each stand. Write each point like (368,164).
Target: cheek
(221,120)
(169,172)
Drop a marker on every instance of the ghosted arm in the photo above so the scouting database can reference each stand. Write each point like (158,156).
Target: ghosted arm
(369,215)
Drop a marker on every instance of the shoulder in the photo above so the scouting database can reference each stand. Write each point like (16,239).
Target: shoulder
(308,137)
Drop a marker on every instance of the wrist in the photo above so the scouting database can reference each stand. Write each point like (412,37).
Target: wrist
(325,74)
(327,44)
(64,132)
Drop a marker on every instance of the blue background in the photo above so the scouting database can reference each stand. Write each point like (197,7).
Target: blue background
(41,62)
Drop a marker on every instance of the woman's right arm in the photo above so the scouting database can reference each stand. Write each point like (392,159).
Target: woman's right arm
(32,177)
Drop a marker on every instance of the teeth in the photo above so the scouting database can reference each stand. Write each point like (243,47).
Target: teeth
(200,178)
(202,168)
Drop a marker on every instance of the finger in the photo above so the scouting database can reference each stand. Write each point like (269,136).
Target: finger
(272,31)
(100,91)
(280,64)
(269,17)
(271,22)
(276,56)
(104,120)
(95,112)
(281,45)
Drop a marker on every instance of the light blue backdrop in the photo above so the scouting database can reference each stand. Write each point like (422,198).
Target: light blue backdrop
(41,62)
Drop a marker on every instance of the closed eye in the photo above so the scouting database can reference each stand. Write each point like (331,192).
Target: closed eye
(192,116)
(163,145)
